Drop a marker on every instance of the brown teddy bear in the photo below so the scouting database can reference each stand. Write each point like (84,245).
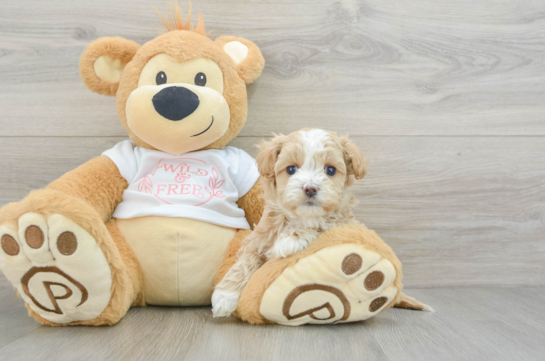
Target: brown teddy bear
(159,219)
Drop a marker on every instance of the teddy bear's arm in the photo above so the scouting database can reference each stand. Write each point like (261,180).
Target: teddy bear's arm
(98,182)
(253,203)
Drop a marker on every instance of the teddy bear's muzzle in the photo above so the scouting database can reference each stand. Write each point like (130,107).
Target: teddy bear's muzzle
(175,102)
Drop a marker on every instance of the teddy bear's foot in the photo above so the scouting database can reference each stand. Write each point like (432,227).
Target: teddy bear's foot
(56,266)
(348,274)
(344,283)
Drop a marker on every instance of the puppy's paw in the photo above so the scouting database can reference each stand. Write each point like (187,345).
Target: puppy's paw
(224,303)
(287,246)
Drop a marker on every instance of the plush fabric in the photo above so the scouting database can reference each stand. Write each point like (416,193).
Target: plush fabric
(89,194)
(183,46)
(251,299)
(83,182)
(250,67)
(253,204)
(108,69)
(48,202)
(116,48)
(52,268)
(231,254)
(178,256)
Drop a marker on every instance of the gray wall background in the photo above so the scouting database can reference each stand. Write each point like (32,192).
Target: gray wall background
(446,99)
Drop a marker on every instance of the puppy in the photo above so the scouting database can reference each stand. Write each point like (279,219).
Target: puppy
(305,176)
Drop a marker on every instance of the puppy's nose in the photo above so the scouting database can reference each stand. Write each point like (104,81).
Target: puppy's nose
(310,191)
(175,102)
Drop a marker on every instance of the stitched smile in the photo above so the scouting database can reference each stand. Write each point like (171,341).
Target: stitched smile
(206,128)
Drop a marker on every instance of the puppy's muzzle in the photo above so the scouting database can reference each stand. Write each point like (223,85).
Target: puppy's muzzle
(175,102)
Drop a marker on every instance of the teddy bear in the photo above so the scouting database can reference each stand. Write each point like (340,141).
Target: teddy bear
(158,219)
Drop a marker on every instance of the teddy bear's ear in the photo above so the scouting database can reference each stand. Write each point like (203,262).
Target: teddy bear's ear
(246,55)
(103,61)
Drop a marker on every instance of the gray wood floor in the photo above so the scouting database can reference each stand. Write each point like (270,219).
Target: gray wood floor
(445,97)
(468,324)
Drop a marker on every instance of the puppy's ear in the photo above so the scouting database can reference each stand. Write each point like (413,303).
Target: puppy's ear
(248,59)
(268,155)
(103,61)
(356,163)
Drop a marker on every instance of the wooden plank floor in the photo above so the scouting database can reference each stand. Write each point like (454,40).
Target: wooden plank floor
(468,324)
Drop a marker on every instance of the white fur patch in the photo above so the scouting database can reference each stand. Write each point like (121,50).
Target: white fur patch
(313,141)
(60,283)
(224,303)
(308,175)
(289,245)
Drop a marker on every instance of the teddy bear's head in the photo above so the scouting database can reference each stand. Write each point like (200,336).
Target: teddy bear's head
(179,92)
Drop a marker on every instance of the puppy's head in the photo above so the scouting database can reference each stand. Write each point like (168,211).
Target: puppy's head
(308,171)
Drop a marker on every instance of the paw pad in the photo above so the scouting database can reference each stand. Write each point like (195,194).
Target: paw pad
(67,243)
(34,237)
(377,303)
(10,245)
(57,267)
(374,280)
(352,263)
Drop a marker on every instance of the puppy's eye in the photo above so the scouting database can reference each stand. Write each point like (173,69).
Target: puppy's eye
(330,171)
(291,169)
(200,79)
(161,78)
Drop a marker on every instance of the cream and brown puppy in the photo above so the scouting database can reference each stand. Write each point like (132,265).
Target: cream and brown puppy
(305,179)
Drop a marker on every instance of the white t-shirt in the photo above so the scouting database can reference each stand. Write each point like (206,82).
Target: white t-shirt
(203,185)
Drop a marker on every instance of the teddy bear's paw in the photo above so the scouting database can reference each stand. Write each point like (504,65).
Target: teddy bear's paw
(343,283)
(224,303)
(56,266)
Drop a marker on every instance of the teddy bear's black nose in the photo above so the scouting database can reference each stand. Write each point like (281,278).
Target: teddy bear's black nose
(175,102)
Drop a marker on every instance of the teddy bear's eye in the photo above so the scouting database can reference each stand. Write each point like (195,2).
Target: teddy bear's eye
(161,78)
(200,79)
